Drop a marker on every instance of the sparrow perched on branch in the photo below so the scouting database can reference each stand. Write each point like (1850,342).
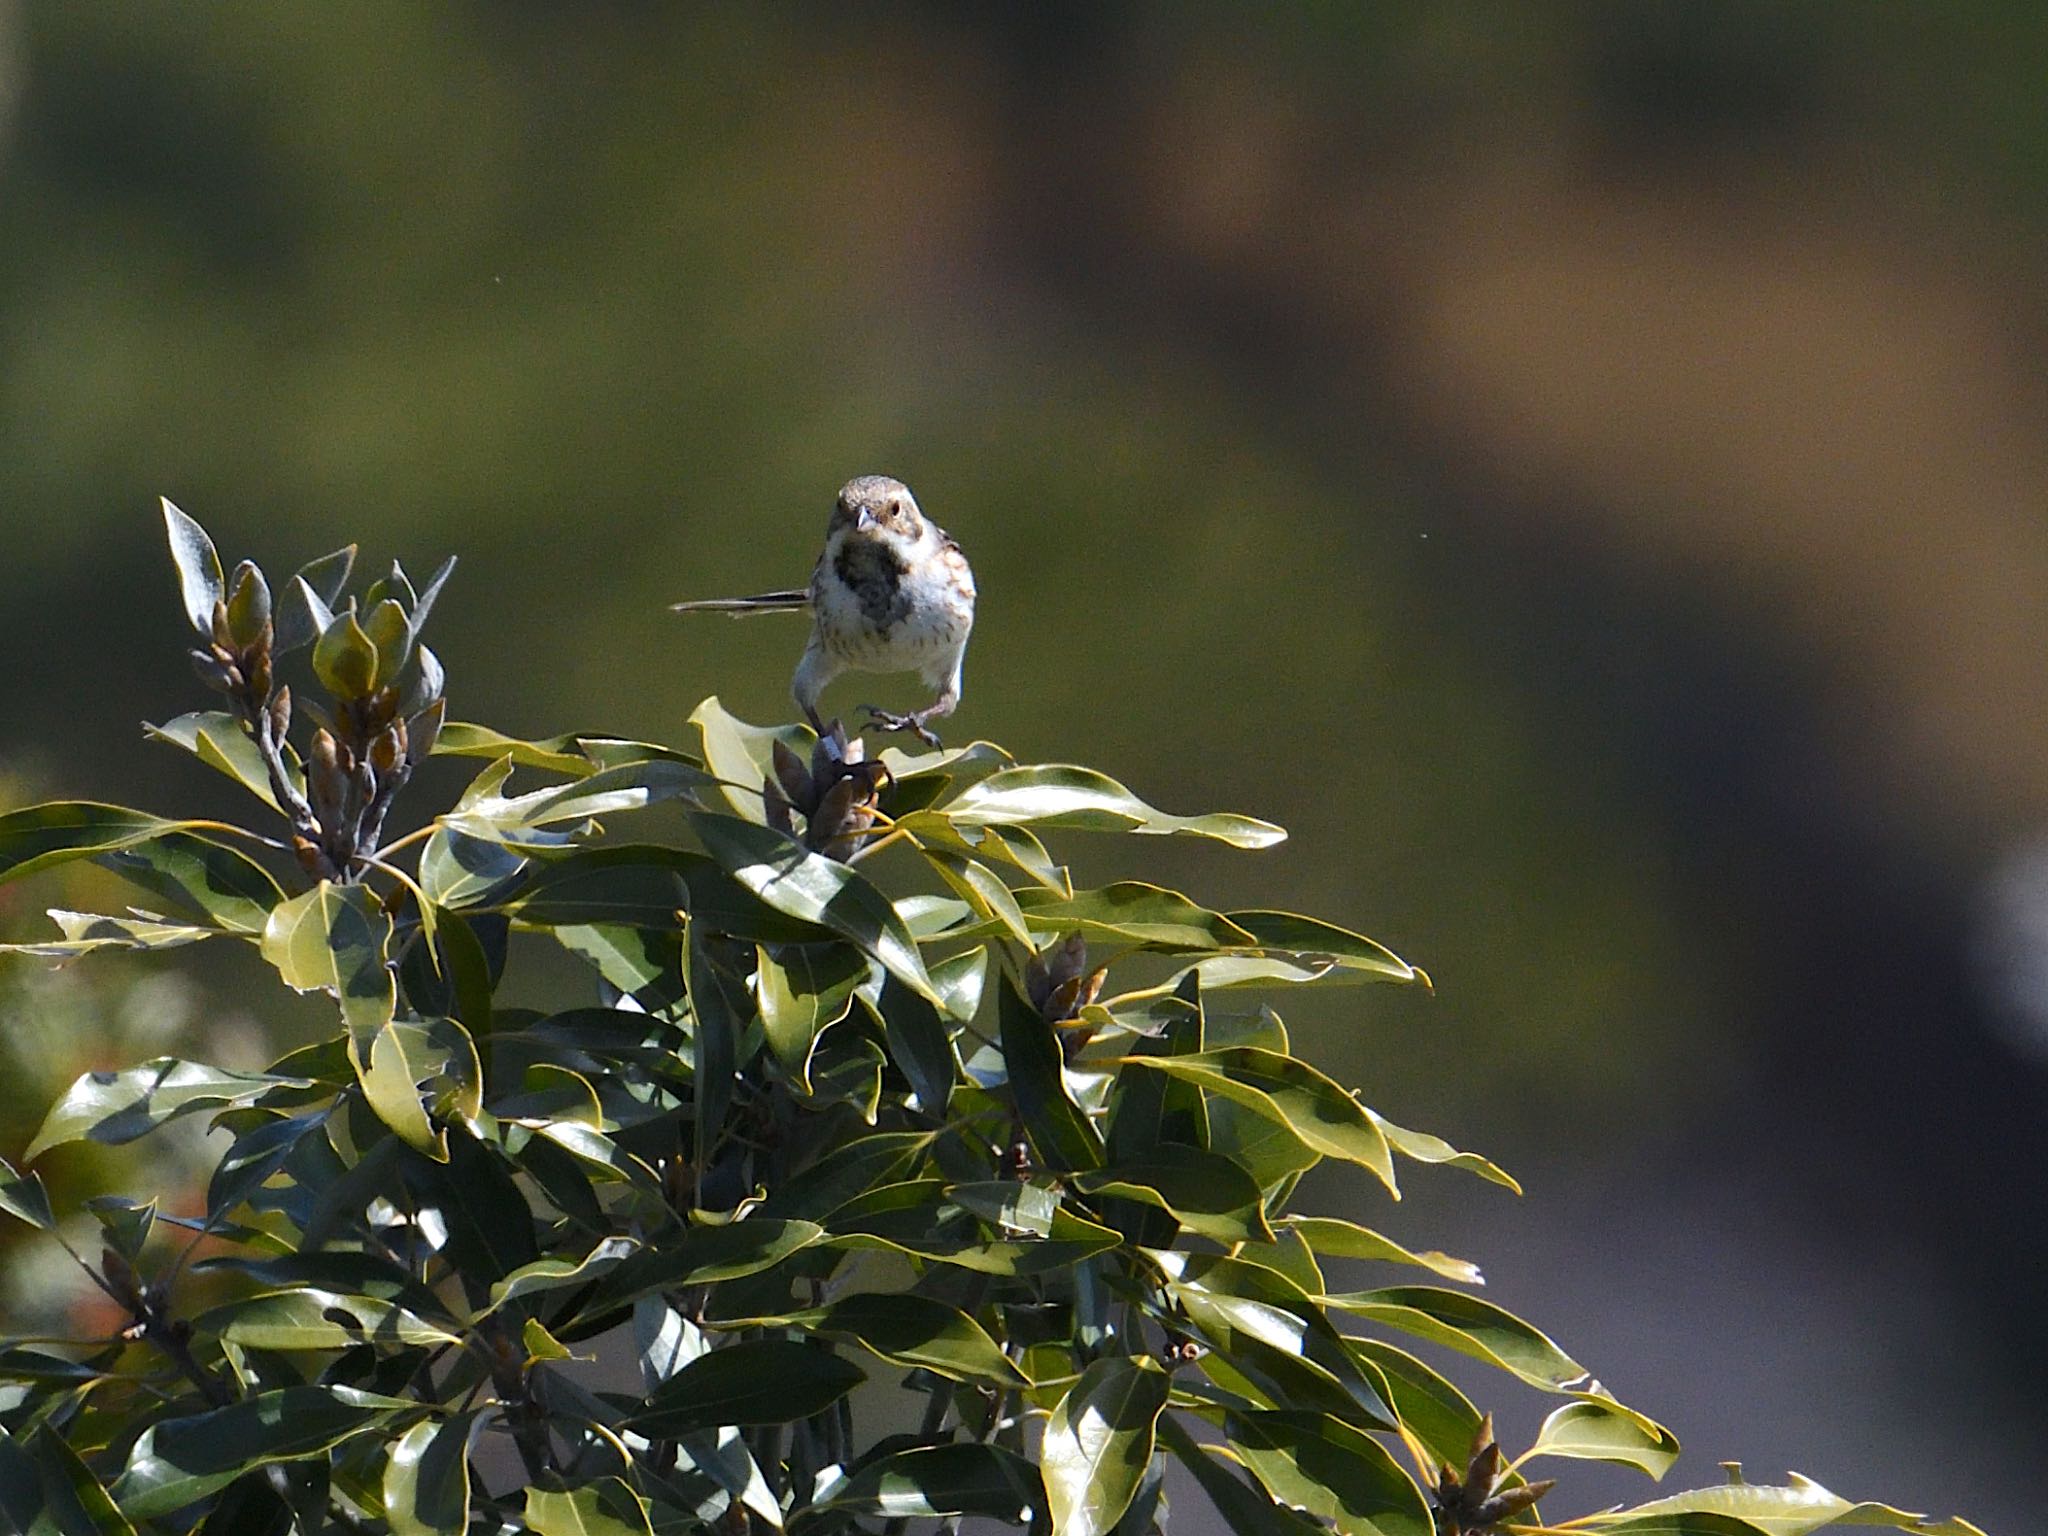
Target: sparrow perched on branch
(890,593)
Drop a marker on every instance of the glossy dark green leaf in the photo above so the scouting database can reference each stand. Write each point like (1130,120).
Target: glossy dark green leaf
(116,1107)
(803,989)
(1353,954)
(180,1461)
(1232,1299)
(1597,1429)
(815,889)
(936,1480)
(628,786)
(1098,1444)
(46,1490)
(345,659)
(488,1223)
(909,1330)
(1132,912)
(311,1318)
(257,1155)
(1332,1469)
(1430,1406)
(1799,1506)
(1291,1093)
(198,881)
(1425,1148)
(22,1365)
(426,1481)
(738,754)
(86,933)
(1060,1132)
(714,1042)
(461,870)
(1336,1239)
(755,1381)
(1058,795)
(1209,1194)
(846,1172)
(219,740)
(1248,1510)
(1465,1323)
(434,1058)
(305,605)
(200,583)
(606,1507)
(333,939)
(61,830)
(704,1255)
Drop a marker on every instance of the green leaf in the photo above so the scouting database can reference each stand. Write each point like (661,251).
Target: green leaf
(218,740)
(917,1038)
(46,1490)
(1247,1510)
(1291,1093)
(1434,1410)
(305,605)
(23,1196)
(180,1461)
(606,1507)
(332,939)
(116,1107)
(1062,1135)
(311,1318)
(435,1057)
(1208,1194)
(1603,1430)
(1800,1506)
(1465,1323)
(1336,1239)
(390,636)
(803,989)
(1245,1307)
(460,870)
(426,1481)
(1425,1148)
(558,754)
(200,881)
(1134,913)
(1099,1442)
(1329,1468)
(199,578)
(936,1480)
(88,932)
(909,1330)
(815,889)
(704,1256)
(1306,938)
(629,786)
(345,659)
(40,836)
(756,1381)
(739,754)
(1059,795)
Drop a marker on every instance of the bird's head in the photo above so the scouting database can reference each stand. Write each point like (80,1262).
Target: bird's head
(878,508)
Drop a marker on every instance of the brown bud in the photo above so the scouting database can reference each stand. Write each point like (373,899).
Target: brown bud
(797,786)
(388,750)
(775,806)
(308,854)
(223,632)
(326,755)
(280,713)
(260,677)
(1505,1506)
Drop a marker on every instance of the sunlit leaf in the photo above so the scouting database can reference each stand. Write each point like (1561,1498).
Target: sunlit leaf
(1799,1506)
(1425,1148)
(1208,1194)
(1347,1240)
(815,889)
(200,583)
(1595,1430)
(61,830)
(87,932)
(23,1196)
(1329,1468)
(1099,1442)
(936,1480)
(803,988)
(199,881)
(1058,795)
(116,1107)
(909,1330)
(180,1461)
(606,1507)
(1465,1323)
(310,1318)
(426,1481)
(1248,1510)
(345,659)
(333,939)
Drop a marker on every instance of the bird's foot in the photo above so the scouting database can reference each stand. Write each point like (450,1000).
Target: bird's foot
(882,720)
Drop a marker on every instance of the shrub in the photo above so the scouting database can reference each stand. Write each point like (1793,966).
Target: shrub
(857,1198)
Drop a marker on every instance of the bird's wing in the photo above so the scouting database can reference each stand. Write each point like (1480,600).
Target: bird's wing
(739,607)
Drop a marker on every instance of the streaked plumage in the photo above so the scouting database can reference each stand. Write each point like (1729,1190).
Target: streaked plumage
(891,593)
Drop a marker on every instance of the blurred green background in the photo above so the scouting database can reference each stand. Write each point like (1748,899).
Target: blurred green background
(1579,467)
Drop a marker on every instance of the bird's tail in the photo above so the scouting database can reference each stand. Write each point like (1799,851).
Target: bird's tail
(739,607)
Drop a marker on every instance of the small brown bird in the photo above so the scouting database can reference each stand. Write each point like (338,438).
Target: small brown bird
(890,593)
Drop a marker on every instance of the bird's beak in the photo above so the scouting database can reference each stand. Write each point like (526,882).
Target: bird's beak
(863,520)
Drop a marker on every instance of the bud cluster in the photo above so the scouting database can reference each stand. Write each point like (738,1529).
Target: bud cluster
(1477,1502)
(1059,985)
(385,689)
(837,794)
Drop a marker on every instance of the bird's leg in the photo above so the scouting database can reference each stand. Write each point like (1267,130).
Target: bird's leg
(882,720)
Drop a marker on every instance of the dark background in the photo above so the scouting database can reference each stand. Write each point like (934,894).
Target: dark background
(1579,467)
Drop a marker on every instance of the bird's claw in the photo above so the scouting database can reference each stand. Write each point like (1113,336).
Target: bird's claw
(883,720)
